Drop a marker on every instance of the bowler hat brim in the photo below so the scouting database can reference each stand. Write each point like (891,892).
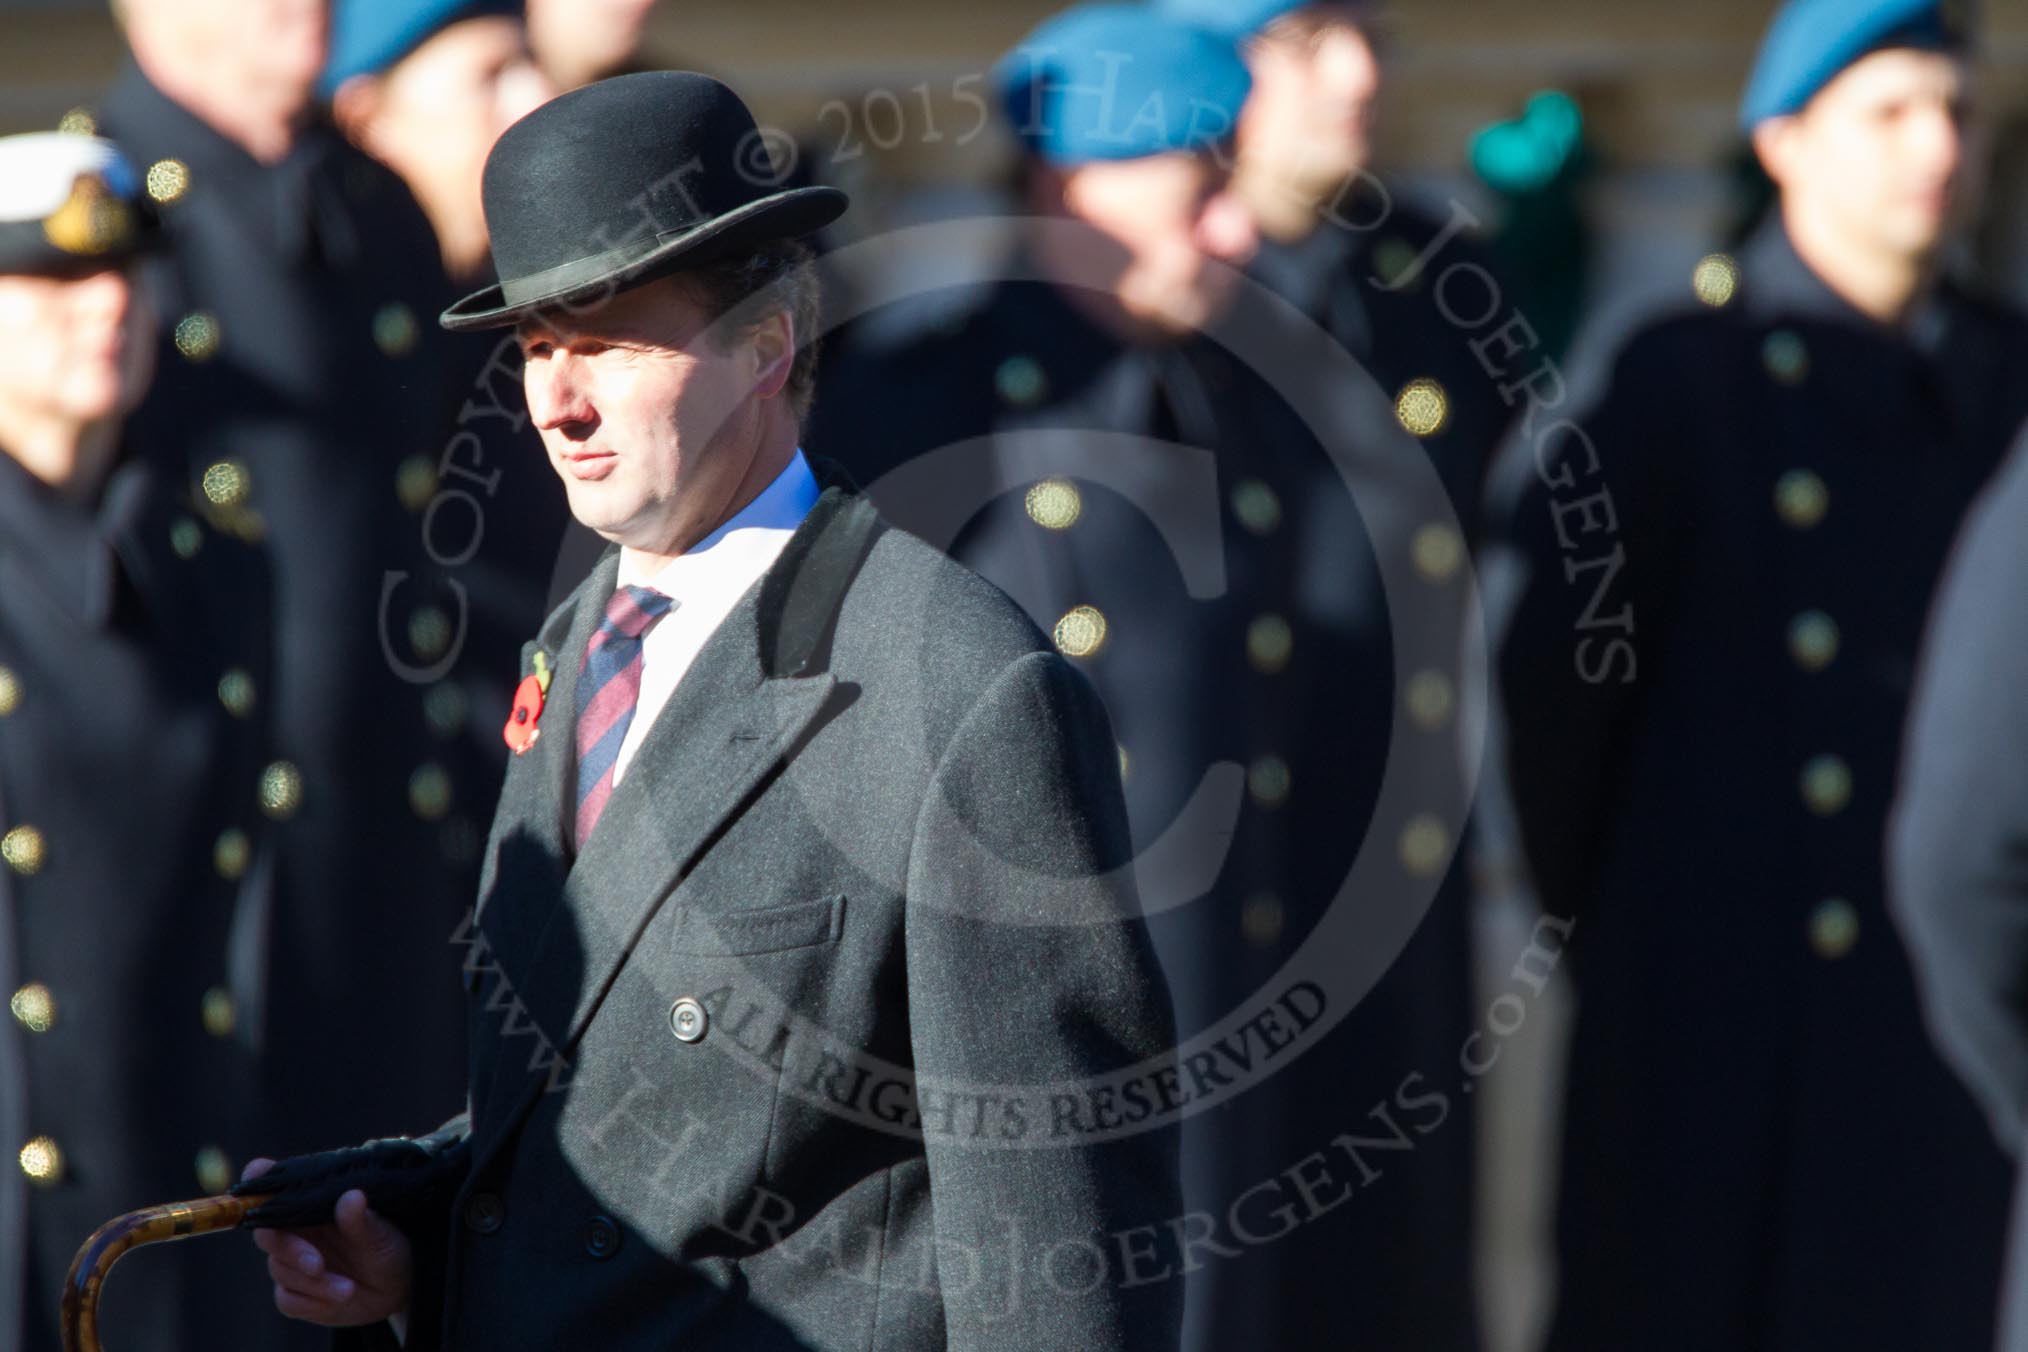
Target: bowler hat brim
(783,215)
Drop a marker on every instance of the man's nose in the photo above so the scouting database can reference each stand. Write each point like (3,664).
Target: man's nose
(1941,131)
(557,396)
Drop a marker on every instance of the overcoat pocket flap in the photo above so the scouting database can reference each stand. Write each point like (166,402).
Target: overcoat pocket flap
(771,929)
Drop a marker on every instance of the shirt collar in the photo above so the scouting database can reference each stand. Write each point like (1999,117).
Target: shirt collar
(755,533)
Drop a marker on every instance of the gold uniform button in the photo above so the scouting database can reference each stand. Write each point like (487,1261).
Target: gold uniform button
(1020,381)
(1834,928)
(1813,640)
(281,790)
(227,484)
(1269,642)
(429,633)
(1801,498)
(1425,845)
(1422,407)
(1438,551)
(231,853)
(1261,919)
(1392,259)
(446,708)
(1081,632)
(1785,357)
(218,1012)
(395,329)
(236,692)
(10,691)
(1716,280)
(1429,699)
(1268,780)
(168,180)
(186,537)
(34,1008)
(1256,506)
(214,1170)
(415,482)
(1055,504)
(1827,785)
(429,791)
(24,850)
(42,1160)
(197,335)
(78,122)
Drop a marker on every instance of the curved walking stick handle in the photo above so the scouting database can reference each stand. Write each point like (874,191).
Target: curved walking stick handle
(152,1225)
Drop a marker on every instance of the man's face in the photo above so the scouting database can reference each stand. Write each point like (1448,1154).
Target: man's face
(73,350)
(587,39)
(1172,221)
(1879,154)
(650,422)
(441,108)
(264,55)
(1309,120)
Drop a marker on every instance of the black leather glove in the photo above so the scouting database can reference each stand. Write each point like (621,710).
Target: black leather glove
(404,1179)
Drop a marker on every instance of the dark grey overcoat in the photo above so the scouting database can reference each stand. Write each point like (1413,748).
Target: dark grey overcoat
(876,834)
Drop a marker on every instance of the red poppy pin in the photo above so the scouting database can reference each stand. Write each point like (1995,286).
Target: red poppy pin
(524,724)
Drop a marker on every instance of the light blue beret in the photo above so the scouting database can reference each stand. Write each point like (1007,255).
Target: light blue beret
(368,36)
(1120,82)
(1811,42)
(1236,19)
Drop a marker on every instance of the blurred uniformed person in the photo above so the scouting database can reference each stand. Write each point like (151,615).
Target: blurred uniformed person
(426,87)
(1149,454)
(294,401)
(1718,580)
(132,656)
(1355,253)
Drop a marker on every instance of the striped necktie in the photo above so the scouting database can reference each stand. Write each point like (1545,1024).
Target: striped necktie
(608,688)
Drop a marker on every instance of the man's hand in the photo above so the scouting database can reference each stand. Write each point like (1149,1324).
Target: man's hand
(355,1271)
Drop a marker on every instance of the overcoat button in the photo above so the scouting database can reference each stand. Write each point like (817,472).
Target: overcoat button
(485,1213)
(688,1020)
(601,1237)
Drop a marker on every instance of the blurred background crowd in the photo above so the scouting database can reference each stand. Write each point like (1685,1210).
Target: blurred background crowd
(245,787)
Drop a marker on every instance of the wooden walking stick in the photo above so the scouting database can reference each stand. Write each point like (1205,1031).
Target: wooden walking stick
(117,1237)
(401,1176)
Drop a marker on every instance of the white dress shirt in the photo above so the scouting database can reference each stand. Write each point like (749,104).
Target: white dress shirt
(707,581)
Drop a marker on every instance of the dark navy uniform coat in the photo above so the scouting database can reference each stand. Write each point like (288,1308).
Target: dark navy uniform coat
(1167,516)
(1711,610)
(300,397)
(133,654)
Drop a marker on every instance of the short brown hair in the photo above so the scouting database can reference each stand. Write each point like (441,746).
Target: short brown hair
(779,275)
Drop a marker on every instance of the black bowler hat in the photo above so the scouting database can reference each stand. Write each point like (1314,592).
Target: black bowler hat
(623,181)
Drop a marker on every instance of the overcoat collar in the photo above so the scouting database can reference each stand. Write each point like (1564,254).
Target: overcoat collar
(67,552)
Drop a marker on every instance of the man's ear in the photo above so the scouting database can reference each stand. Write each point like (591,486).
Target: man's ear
(1774,145)
(355,107)
(774,349)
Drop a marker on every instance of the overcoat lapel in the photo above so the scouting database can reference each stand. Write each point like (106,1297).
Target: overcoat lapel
(752,694)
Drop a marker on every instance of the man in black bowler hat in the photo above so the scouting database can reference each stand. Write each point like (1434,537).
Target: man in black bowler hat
(809,1003)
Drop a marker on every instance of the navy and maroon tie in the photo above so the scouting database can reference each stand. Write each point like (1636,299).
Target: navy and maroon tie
(608,688)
